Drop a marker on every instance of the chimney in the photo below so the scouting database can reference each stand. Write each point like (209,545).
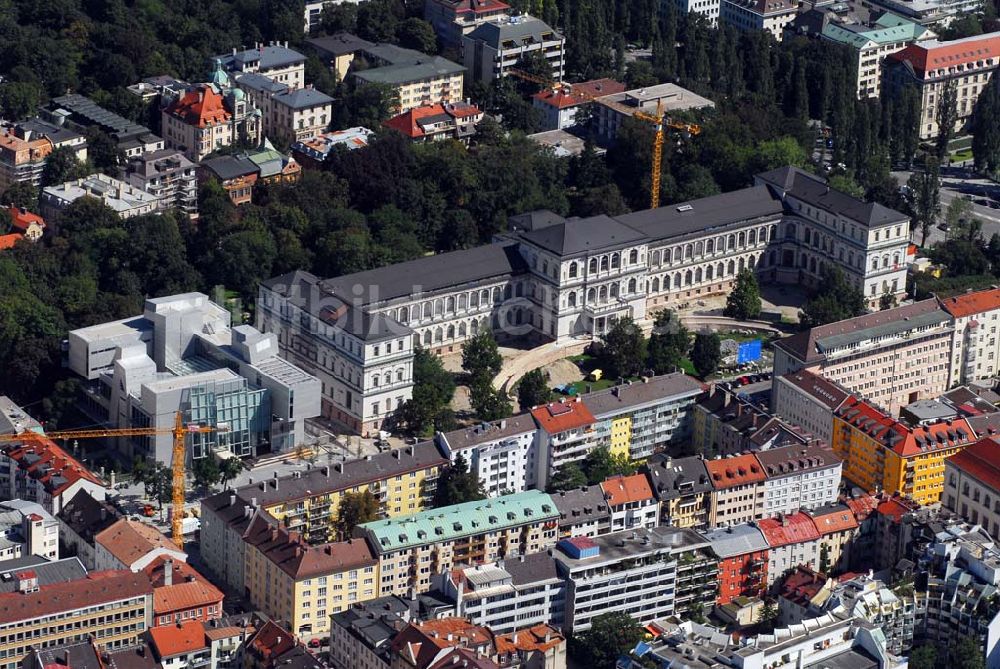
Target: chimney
(168,572)
(326,471)
(232,500)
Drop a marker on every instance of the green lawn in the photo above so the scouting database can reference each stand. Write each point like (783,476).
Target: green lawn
(581,386)
(688,367)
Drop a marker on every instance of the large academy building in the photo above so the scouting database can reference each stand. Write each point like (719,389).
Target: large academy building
(556,278)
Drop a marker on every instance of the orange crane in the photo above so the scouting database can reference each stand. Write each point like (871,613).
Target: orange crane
(659,122)
(179,432)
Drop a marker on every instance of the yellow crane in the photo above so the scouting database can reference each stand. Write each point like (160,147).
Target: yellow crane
(659,122)
(179,432)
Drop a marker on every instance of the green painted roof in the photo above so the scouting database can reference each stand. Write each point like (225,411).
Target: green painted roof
(888,28)
(460,520)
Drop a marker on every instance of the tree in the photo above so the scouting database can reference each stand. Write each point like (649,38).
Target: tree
(533,390)
(610,635)
(481,357)
(923,657)
(60,166)
(600,465)
(355,508)
(487,402)
(206,472)
(706,353)
(433,389)
(985,129)
(229,469)
(457,484)
(887,301)
(417,34)
(19,100)
(622,352)
(947,116)
(21,194)
(835,300)
(968,654)
(923,197)
(567,477)
(768,614)
(743,302)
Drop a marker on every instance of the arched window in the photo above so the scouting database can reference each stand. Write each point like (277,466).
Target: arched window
(571,300)
(496,295)
(375,381)
(771,232)
(687,278)
(677,254)
(697,275)
(708,273)
(633,257)
(806,234)
(721,270)
(742,264)
(451,332)
(655,259)
(741,240)
(602,294)
(751,261)
(474,326)
(604,263)
(462,301)
(572,270)
(462,330)
(404,315)
(438,307)
(438,335)
(730,242)
(484,297)
(387,379)
(592,266)
(614,290)
(699,249)
(631,286)
(731,268)
(591,296)
(399,374)
(790,231)
(710,246)
(655,285)
(874,263)
(451,305)
(752,238)
(688,250)
(677,280)
(615,261)
(885,260)
(473,300)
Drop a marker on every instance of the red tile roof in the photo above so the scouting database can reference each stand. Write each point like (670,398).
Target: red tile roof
(99,587)
(735,471)
(54,468)
(802,585)
(409,124)
(538,638)
(131,540)
(620,490)
(190,590)
(792,528)
(479,6)
(896,507)
(271,641)
(8,241)
(901,438)
(563,96)
(981,461)
(972,303)
(862,507)
(21,218)
(837,519)
(556,417)
(419,643)
(290,552)
(200,107)
(935,55)
(179,639)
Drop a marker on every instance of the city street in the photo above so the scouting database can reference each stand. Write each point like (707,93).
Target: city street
(958,182)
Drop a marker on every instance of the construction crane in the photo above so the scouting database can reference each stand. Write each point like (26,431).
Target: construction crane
(658,121)
(179,432)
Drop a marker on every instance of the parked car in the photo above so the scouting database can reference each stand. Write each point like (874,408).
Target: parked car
(314,643)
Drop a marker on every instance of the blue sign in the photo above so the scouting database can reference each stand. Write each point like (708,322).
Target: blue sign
(748,351)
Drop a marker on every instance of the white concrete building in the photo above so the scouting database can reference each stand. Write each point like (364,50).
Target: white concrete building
(631,502)
(808,400)
(669,572)
(275,61)
(26,528)
(182,354)
(126,200)
(975,349)
(972,484)
(503,454)
(566,434)
(793,539)
(169,176)
(611,110)
(301,112)
(510,594)
(751,15)
(496,46)
(799,477)
(707,8)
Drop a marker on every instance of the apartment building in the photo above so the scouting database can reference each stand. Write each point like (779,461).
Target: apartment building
(80,520)
(454,19)
(360,636)
(873,42)
(288,579)
(737,490)
(638,418)
(808,400)
(611,110)
(669,571)
(181,594)
(683,489)
(934,14)
(932,65)
(302,112)
(37,470)
(48,603)
(759,15)
(892,357)
(561,103)
(80,113)
(792,540)
(28,225)
(241,173)
(412,549)
(26,528)
(181,646)
(583,512)
(202,120)
(495,46)
(416,78)
(168,176)
(881,453)
(133,545)
(708,8)
(631,502)
(510,594)
(438,122)
(402,481)
(274,60)
(504,454)
(972,484)
(25,148)
(338,51)
(799,477)
(562,279)
(837,527)
(743,561)
(182,355)
(315,152)
(975,353)
(566,433)
(124,199)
